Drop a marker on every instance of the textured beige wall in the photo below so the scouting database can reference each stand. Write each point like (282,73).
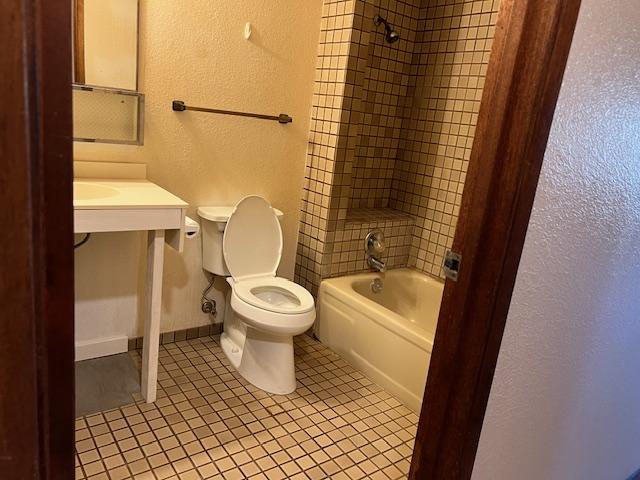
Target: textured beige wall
(198,54)
(566,394)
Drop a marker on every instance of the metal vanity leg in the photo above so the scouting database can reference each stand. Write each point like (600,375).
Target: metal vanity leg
(155,260)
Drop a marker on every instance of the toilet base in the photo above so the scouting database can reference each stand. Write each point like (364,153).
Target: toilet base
(266,361)
(232,351)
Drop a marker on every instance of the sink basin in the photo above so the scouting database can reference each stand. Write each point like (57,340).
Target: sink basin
(90,191)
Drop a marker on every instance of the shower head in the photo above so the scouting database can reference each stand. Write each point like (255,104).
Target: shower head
(390,35)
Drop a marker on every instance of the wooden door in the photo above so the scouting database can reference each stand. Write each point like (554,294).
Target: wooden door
(36,251)
(527,63)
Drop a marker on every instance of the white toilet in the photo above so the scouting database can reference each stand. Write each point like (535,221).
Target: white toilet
(245,243)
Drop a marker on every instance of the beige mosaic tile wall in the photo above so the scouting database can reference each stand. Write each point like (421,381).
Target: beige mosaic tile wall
(449,66)
(328,139)
(387,70)
(391,131)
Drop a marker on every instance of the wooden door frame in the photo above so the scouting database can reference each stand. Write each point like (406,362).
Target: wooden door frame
(36,252)
(529,55)
(36,287)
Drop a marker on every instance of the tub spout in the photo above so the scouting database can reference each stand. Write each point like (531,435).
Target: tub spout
(376,264)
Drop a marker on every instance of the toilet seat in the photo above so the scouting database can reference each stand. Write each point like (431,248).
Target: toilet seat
(252,248)
(274,294)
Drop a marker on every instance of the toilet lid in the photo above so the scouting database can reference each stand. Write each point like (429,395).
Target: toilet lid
(252,243)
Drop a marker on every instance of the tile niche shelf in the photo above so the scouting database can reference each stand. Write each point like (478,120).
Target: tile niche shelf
(107,115)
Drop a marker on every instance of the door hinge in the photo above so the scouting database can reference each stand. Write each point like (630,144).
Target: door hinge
(451,265)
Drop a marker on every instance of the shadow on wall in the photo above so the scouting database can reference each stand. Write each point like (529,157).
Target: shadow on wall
(178,298)
(116,265)
(94,290)
(257,40)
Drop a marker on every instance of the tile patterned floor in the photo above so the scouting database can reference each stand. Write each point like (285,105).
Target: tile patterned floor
(208,422)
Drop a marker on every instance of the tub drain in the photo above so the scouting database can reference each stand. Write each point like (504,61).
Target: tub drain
(376,285)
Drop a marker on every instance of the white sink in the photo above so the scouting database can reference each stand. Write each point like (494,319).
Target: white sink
(112,205)
(92,191)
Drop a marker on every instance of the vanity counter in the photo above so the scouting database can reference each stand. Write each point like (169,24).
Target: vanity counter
(122,193)
(120,205)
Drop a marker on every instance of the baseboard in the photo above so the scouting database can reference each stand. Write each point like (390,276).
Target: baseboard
(100,347)
(180,335)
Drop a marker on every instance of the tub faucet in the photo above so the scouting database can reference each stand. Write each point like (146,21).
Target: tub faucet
(374,246)
(379,265)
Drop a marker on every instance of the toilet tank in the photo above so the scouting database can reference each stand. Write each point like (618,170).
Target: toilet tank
(212,224)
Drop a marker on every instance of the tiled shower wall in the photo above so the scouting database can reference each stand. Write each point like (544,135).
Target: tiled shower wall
(387,70)
(391,131)
(447,78)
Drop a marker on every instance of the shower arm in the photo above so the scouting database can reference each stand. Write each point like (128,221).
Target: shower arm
(391,36)
(377,20)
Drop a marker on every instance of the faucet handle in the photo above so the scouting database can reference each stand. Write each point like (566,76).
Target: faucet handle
(377,246)
(374,243)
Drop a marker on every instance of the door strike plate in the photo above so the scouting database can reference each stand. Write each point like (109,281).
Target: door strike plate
(451,265)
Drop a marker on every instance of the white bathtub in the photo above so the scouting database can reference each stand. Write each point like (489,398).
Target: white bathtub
(389,335)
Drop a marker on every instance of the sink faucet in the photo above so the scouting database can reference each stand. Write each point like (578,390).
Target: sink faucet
(374,246)
(379,265)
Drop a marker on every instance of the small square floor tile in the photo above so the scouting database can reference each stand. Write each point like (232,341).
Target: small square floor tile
(209,423)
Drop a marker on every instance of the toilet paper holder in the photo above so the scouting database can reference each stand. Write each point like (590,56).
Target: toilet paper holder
(191,227)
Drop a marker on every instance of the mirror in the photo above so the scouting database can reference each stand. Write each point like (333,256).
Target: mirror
(105,46)
(107,107)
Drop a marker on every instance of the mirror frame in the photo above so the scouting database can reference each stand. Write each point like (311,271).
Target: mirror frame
(113,91)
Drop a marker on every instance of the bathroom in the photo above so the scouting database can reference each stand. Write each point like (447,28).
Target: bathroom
(345,239)
(367,181)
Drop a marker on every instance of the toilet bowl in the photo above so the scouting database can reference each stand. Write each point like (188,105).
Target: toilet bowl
(263,311)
